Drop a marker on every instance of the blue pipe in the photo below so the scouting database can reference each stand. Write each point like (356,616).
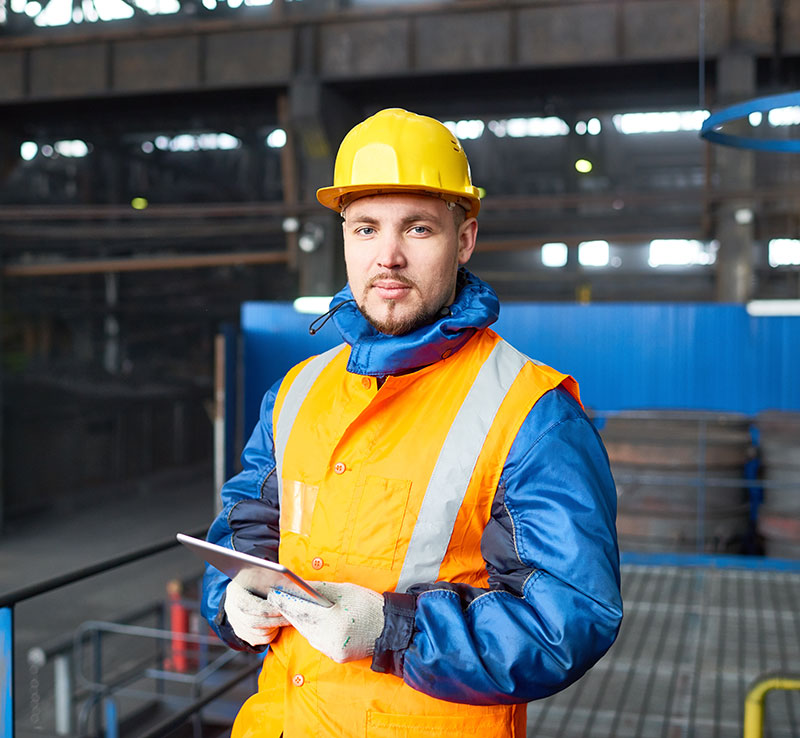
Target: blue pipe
(111,718)
(6,672)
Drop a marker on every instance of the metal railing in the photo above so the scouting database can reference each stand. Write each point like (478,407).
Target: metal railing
(101,694)
(754,702)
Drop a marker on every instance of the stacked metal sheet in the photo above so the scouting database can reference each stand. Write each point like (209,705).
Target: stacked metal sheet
(779,513)
(680,479)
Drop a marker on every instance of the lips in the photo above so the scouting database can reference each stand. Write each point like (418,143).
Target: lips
(391,288)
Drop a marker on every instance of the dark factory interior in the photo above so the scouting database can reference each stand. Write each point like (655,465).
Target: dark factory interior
(159,161)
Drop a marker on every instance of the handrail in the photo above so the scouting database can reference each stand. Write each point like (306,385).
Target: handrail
(174,721)
(26,593)
(10,599)
(754,702)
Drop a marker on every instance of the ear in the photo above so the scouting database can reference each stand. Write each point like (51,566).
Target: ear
(467,236)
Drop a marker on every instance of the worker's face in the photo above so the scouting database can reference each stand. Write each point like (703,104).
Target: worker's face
(402,254)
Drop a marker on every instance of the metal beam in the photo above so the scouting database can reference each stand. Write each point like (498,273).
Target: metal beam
(356,44)
(133,264)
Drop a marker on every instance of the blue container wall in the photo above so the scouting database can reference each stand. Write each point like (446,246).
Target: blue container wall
(624,356)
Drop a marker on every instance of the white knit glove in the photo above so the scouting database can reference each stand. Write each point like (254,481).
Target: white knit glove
(252,618)
(345,632)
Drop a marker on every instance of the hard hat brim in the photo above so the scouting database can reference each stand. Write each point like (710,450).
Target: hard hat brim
(337,198)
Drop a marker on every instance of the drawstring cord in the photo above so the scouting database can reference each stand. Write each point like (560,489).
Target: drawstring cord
(322,319)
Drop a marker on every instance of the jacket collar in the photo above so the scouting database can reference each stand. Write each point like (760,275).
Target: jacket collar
(376,354)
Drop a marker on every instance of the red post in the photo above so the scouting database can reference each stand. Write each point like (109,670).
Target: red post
(180,660)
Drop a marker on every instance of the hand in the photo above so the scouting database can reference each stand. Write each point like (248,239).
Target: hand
(252,618)
(345,632)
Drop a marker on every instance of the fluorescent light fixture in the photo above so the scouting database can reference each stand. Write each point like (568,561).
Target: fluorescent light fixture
(583,166)
(594,126)
(554,254)
(312,305)
(524,127)
(57,13)
(466,130)
(784,252)
(770,308)
(185,142)
(680,252)
(593,253)
(784,116)
(670,122)
(75,149)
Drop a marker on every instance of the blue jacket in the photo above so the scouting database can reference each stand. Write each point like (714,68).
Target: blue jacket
(551,543)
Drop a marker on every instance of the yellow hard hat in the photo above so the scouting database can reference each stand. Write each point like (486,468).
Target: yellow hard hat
(398,151)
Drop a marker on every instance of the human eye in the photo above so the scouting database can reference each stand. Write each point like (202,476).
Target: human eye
(419,230)
(365,231)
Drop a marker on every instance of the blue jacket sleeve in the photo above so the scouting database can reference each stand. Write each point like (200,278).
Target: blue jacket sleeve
(249,520)
(553,605)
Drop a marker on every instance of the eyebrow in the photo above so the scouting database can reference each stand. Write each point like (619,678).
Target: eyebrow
(408,220)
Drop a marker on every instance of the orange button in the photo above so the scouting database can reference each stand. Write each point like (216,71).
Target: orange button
(317,562)
(339,467)
(298,680)
(365,381)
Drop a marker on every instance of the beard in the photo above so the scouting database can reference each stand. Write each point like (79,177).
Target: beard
(397,325)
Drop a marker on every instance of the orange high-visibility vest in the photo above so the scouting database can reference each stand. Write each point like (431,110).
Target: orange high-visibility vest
(387,488)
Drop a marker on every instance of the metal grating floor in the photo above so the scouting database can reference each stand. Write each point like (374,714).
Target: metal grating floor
(692,642)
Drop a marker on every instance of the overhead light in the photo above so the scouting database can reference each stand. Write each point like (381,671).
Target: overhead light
(276,139)
(784,252)
(743,216)
(789,116)
(593,127)
(28,150)
(523,127)
(290,225)
(311,237)
(312,305)
(593,253)
(584,166)
(554,254)
(466,130)
(680,252)
(667,122)
(770,308)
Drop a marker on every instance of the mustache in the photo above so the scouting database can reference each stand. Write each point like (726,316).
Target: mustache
(393,276)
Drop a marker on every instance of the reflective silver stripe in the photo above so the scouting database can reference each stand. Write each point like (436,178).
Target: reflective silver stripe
(295,396)
(455,465)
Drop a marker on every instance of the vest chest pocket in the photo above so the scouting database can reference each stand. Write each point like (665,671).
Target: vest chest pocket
(378,524)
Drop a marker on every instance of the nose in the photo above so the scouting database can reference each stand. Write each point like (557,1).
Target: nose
(391,253)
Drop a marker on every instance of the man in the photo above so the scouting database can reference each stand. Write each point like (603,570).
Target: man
(447,493)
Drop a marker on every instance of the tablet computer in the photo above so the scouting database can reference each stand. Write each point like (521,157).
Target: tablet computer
(258,576)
